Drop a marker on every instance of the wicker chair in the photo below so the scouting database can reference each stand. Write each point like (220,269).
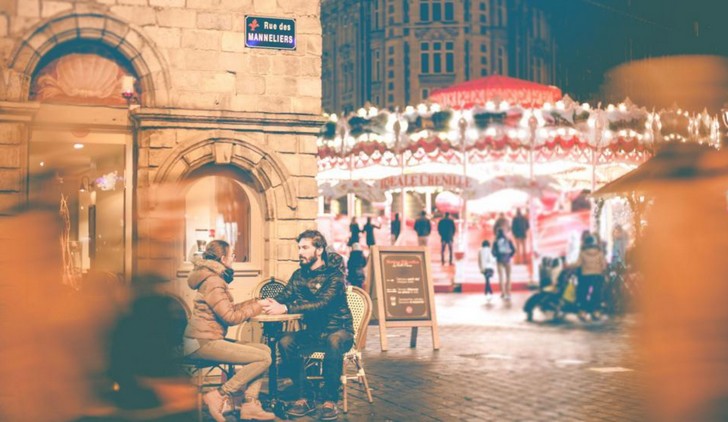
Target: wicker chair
(360,305)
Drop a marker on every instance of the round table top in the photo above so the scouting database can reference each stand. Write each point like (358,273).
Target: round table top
(276,318)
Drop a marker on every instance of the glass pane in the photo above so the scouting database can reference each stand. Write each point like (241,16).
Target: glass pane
(217,207)
(89,187)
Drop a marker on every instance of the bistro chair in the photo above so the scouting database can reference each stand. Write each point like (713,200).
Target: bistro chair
(360,305)
(206,374)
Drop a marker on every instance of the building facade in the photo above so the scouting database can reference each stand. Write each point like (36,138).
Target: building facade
(395,52)
(162,130)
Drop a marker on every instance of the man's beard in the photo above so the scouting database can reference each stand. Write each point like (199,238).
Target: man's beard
(307,264)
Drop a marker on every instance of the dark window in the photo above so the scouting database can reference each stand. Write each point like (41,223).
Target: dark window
(449,11)
(483,19)
(425,93)
(437,63)
(448,46)
(483,72)
(437,46)
(483,30)
(424,11)
(482,6)
(483,60)
(483,48)
(390,62)
(436,11)
(390,74)
(425,63)
(391,8)
(390,86)
(390,99)
(391,50)
(449,62)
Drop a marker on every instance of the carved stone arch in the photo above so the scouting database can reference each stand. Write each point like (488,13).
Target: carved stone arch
(94,24)
(224,148)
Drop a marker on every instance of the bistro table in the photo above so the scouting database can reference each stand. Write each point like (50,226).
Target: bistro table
(272,329)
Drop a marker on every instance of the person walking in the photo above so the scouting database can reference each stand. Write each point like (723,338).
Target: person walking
(213,312)
(589,290)
(446,229)
(519,228)
(620,240)
(368,230)
(316,290)
(355,266)
(423,229)
(486,263)
(396,228)
(501,223)
(503,251)
(354,232)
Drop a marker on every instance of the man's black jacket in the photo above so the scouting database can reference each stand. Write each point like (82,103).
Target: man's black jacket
(320,295)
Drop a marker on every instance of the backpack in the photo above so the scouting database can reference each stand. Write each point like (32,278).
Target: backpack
(504,247)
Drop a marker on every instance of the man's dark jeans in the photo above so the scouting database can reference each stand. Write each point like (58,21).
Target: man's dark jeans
(294,346)
(445,244)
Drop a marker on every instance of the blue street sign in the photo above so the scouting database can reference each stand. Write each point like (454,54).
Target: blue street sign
(262,32)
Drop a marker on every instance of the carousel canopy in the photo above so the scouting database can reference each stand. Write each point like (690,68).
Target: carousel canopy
(496,89)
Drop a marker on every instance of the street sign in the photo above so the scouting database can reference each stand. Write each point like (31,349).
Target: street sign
(275,33)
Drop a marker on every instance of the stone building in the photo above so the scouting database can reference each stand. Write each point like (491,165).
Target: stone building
(236,125)
(395,52)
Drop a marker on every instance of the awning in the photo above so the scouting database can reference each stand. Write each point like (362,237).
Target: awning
(496,88)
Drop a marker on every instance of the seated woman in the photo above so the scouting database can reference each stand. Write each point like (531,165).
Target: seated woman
(213,312)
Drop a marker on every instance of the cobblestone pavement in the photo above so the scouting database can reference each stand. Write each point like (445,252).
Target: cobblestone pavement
(494,366)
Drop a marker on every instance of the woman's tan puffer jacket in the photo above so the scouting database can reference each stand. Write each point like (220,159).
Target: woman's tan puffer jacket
(213,308)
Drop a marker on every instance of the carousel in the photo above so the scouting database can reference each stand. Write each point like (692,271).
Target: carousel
(489,147)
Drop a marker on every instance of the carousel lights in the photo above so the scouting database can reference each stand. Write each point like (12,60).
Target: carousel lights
(547,106)
(503,106)
(373,111)
(421,108)
(560,105)
(490,106)
(585,106)
(435,107)
(409,110)
(610,108)
(622,107)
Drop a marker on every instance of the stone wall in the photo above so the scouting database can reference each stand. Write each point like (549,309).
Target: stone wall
(204,96)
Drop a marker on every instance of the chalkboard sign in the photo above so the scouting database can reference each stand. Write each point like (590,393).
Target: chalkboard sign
(406,296)
(401,286)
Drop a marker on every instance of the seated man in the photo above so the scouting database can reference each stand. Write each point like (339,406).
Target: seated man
(317,291)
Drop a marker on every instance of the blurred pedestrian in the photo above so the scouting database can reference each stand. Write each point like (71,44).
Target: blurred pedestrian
(423,227)
(354,231)
(519,228)
(592,264)
(620,241)
(355,266)
(396,228)
(502,223)
(487,263)
(368,231)
(446,230)
(503,251)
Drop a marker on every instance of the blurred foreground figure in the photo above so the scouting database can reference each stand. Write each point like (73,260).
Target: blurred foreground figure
(683,258)
(51,348)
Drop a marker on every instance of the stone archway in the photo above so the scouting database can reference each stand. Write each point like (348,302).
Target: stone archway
(95,24)
(222,147)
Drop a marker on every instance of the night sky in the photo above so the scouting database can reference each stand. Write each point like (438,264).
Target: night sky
(595,35)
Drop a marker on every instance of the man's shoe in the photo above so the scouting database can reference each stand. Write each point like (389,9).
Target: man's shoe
(253,410)
(582,316)
(300,408)
(329,412)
